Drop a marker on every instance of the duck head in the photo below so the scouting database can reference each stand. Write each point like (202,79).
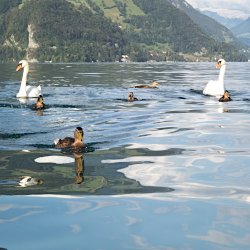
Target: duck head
(39,103)
(155,83)
(78,134)
(130,96)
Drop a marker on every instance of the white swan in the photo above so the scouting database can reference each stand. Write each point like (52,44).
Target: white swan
(217,88)
(26,90)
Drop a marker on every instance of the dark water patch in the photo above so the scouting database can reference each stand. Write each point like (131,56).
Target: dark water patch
(6,136)
(8,182)
(181,130)
(67,106)
(240,111)
(41,146)
(72,150)
(165,128)
(246,99)
(126,100)
(196,91)
(155,153)
(14,106)
(187,111)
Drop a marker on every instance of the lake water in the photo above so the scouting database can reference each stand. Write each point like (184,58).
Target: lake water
(170,171)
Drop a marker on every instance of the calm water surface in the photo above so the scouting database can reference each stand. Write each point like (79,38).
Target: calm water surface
(170,171)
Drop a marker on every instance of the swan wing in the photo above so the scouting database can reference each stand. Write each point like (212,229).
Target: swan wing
(33,91)
(213,88)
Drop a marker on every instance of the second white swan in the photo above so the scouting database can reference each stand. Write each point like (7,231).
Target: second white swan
(217,88)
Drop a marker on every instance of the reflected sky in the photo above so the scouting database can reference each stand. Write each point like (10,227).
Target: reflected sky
(122,223)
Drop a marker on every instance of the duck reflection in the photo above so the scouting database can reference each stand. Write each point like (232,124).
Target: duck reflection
(79,168)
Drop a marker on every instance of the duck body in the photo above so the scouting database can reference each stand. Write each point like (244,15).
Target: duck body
(25,90)
(152,85)
(64,143)
(216,87)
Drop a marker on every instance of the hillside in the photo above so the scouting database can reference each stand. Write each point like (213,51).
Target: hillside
(208,25)
(242,31)
(227,22)
(97,30)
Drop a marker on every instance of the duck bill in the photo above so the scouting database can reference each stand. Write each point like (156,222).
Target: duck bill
(19,67)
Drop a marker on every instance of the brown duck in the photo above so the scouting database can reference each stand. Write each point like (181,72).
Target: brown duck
(152,85)
(131,97)
(226,97)
(76,142)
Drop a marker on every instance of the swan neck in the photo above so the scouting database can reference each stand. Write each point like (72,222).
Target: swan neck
(222,73)
(25,76)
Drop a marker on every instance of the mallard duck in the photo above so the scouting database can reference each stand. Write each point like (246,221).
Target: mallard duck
(77,141)
(26,181)
(131,97)
(153,85)
(26,90)
(40,104)
(217,88)
(226,97)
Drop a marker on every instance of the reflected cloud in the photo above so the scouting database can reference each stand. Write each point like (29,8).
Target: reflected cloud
(222,238)
(17,218)
(5,207)
(75,228)
(76,207)
(140,241)
(180,174)
(132,220)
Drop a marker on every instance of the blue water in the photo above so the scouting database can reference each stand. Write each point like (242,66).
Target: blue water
(170,171)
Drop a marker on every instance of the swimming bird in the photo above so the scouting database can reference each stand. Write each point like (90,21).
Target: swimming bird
(40,104)
(29,181)
(131,97)
(76,142)
(26,90)
(217,88)
(153,85)
(226,97)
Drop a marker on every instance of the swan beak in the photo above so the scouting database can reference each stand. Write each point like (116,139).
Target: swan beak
(19,67)
(218,65)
